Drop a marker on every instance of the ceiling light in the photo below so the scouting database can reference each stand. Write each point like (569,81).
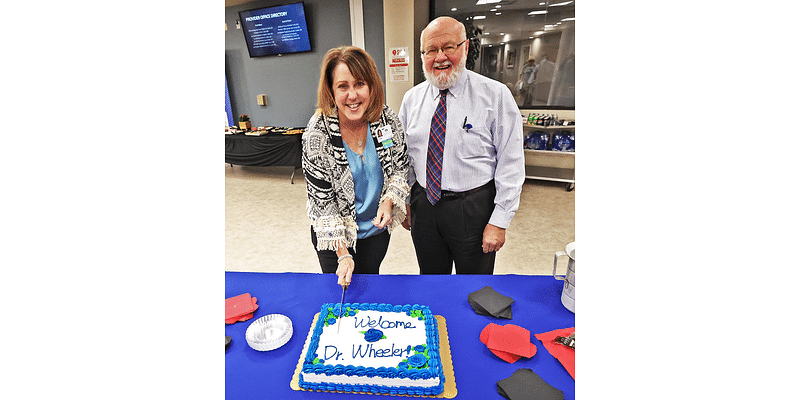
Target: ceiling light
(537,12)
(538,33)
(497,13)
(568,19)
(484,2)
(493,10)
(479,17)
(453,9)
(560,4)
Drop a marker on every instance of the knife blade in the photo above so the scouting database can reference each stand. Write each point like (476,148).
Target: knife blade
(341,308)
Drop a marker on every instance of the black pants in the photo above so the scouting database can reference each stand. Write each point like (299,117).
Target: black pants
(368,255)
(452,230)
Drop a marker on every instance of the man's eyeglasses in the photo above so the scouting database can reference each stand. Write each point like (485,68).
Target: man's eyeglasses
(447,50)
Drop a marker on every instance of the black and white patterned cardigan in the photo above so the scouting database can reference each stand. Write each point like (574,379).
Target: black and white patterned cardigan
(329,181)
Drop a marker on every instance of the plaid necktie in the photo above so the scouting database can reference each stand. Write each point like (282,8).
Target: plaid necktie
(433,170)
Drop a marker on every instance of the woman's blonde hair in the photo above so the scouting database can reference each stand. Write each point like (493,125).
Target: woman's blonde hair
(362,67)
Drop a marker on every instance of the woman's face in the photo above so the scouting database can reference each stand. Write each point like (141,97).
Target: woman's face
(352,96)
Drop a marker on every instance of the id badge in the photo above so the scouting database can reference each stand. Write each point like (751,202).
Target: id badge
(385,136)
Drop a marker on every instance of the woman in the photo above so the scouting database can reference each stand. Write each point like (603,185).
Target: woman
(356,166)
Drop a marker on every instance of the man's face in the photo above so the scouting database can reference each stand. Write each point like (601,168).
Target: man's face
(441,69)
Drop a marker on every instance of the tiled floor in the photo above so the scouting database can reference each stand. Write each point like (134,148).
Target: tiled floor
(267,230)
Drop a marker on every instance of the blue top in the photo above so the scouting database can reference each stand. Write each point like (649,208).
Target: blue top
(368,183)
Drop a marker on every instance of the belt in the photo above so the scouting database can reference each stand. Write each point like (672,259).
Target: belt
(460,195)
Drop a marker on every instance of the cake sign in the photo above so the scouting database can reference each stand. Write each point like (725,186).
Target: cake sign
(371,323)
(371,335)
(366,352)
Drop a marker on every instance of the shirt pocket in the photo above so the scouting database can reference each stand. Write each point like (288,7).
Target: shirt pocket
(477,140)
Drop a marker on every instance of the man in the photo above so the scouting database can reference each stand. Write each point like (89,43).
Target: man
(528,77)
(466,184)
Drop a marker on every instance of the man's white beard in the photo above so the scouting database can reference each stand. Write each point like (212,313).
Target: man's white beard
(445,81)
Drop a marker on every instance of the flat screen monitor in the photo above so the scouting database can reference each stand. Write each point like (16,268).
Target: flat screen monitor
(275,30)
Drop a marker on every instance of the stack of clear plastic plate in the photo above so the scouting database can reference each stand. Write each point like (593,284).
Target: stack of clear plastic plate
(269,332)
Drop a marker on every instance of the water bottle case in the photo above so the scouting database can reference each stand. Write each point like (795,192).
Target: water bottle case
(564,141)
(537,140)
(529,141)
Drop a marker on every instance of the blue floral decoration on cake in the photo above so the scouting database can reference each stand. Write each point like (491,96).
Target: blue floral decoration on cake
(373,335)
(417,360)
(333,314)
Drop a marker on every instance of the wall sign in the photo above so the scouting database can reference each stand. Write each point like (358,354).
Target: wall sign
(398,64)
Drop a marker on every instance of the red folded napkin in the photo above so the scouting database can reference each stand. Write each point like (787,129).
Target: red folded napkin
(239,308)
(509,342)
(565,355)
(237,319)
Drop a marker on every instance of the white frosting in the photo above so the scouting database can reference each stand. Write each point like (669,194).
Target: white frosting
(349,347)
(376,380)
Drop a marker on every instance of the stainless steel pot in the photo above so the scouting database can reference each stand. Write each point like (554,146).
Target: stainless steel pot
(568,292)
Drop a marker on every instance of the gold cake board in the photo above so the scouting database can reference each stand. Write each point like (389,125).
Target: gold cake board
(444,353)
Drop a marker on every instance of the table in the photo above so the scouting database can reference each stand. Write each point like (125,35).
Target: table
(251,374)
(264,151)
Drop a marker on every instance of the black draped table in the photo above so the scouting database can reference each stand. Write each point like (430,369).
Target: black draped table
(251,374)
(264,151)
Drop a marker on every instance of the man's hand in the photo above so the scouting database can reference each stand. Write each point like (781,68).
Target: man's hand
(493,238)
(407,222)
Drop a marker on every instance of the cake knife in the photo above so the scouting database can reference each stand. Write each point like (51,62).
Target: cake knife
(341,308)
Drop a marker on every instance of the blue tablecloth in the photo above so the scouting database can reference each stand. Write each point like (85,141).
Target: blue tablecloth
(251,374)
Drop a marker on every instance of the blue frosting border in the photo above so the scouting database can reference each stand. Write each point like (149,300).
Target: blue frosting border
(434,364)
